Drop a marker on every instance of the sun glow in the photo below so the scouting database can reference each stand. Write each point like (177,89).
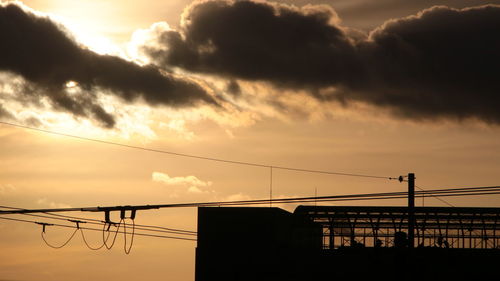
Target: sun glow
(99,44)
(91,39)
(87,24)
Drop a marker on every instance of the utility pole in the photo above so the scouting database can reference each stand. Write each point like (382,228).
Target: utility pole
(411,210)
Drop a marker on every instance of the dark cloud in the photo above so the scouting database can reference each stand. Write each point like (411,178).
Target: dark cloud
(368,14)
(441,63)
(261,41)
(42,53)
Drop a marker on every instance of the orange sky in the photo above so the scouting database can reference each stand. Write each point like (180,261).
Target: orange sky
(39,170)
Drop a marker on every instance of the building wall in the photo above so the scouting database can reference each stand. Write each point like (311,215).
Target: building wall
(243,244)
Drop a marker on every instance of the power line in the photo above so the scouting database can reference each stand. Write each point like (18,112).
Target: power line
(95,229)
(442,200)
(465,191)
(88,245)
(468,191)
(97,222)
(373,196)
(167,229)
(150,228)
(370,196)
(198,156)
(105,238)
(395,196)
(198,204)
(127,250)
(63,244)
(133,225)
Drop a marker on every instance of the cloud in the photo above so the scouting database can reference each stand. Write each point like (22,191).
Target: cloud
(48,59)
(440,63)
(286,45)
(178,126)
(193,184)
(5,113)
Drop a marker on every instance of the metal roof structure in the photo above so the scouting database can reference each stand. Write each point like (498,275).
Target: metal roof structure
(374,226)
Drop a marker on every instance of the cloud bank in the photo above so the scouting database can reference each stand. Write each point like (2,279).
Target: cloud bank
(440,63)
(48,59)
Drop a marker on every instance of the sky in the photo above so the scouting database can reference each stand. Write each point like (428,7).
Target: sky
(383,88)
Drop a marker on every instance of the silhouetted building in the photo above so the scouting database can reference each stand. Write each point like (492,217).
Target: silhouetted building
(336,242)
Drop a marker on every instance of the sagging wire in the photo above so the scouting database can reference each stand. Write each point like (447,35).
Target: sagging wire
(47,242)
(151,228)
(104,237)
(105,240)
(127,251)
(83,235)
(100,230)
(88,245)
(77,222)
(132,218)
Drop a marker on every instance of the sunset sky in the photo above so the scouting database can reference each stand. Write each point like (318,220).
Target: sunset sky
(377,87)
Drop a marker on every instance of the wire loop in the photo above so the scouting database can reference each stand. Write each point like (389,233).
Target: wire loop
(61,246)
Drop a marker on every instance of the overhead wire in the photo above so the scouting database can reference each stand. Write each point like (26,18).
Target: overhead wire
(203,204)
(88,245)
(440,199)
(396,195)
(127,250)
(140,226)
(105,240)
(151,228)
(95,229)
(446,202)
(378,196)
(198,156)
(368,196)
(466,191)
(62,245)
